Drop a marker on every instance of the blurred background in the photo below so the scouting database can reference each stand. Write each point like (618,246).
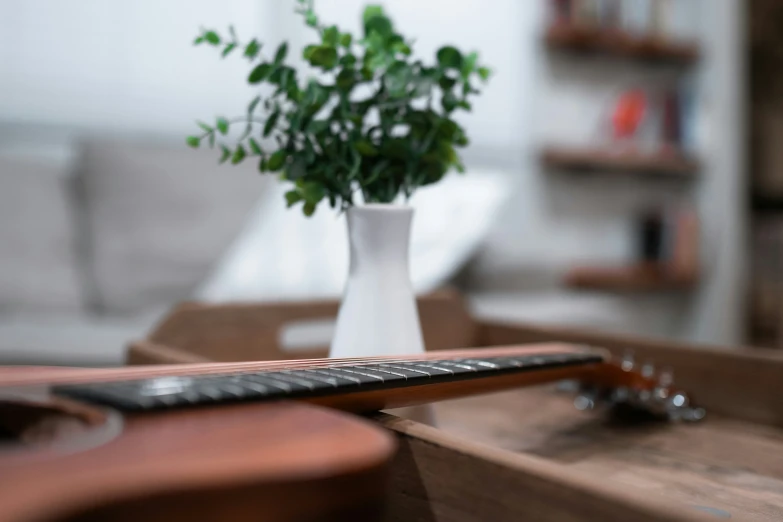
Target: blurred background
(623,172)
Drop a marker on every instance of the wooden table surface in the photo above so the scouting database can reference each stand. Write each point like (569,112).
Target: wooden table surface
(721,466)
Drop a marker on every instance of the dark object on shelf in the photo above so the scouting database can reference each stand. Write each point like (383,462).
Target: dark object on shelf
(651,237)
(620,43)
(668,162)
(668,258)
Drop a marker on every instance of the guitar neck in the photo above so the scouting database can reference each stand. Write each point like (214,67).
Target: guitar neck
(361,384)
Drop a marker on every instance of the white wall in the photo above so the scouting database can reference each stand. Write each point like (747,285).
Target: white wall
(121,65)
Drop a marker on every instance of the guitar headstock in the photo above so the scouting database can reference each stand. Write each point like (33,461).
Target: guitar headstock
(624,385)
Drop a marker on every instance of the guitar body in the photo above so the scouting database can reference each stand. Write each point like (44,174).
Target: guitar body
(276,441)
(277,462)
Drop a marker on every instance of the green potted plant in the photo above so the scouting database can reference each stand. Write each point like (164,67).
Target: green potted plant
(370,126)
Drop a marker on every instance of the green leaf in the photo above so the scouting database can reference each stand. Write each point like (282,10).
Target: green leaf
(402,48)
(331,36)
(449,101)
(222,126)
(378,24)
(397,78)
(297,170)
(308,209)
(323,56)
(251,108)
(193,141)
(446,83)
(212,37)
(230,47)
(346,79)
(422,86)
(464,105)
(226,153)
(311,20)
(484,73)
(260,73)
(255,148)
(270,122)
(371,11)
(346,39)
(348,60)
(239,155)
(276,160)
(365,148)
(281,53)
(252,49)
(292,197)
(312,192)
(449,57)
(199,40)
(204,126)
(468,64)
(318,126)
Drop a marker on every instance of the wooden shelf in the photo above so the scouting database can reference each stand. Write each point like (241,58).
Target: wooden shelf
(620,43)
(667,163)
(628,279)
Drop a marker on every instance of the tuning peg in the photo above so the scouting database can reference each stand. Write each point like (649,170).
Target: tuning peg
(665,377)
(584,402)
(627,362)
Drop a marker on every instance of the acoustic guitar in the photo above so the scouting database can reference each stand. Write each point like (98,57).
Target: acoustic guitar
(273,441)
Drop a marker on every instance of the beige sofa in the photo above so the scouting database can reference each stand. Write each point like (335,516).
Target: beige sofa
(95,247)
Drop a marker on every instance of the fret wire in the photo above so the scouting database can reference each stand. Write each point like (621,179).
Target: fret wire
(458,365)
(483,363)
(362,373)
(282,385)
(293,379)
(330,381)
(407,369)
(347,378)
(436,368)
(376,369)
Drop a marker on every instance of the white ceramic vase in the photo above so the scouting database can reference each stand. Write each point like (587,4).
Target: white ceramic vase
(378,313)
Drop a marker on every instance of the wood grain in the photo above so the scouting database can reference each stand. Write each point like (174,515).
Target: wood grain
(235,463)
(439,477)
(619,43)
(724,464)
(671,163)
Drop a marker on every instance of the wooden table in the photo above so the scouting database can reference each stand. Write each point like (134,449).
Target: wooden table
(719,465)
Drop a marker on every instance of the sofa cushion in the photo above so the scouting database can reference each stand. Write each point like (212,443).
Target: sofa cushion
(38,271)
(70,341)
(156,219)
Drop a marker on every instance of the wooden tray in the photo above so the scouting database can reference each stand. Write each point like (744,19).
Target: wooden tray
(529,454)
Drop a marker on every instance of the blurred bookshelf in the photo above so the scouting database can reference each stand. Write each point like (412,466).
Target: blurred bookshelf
(615,42)
(671,163)
(649,132)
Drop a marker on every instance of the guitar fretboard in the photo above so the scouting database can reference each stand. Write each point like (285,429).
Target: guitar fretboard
(318,380)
